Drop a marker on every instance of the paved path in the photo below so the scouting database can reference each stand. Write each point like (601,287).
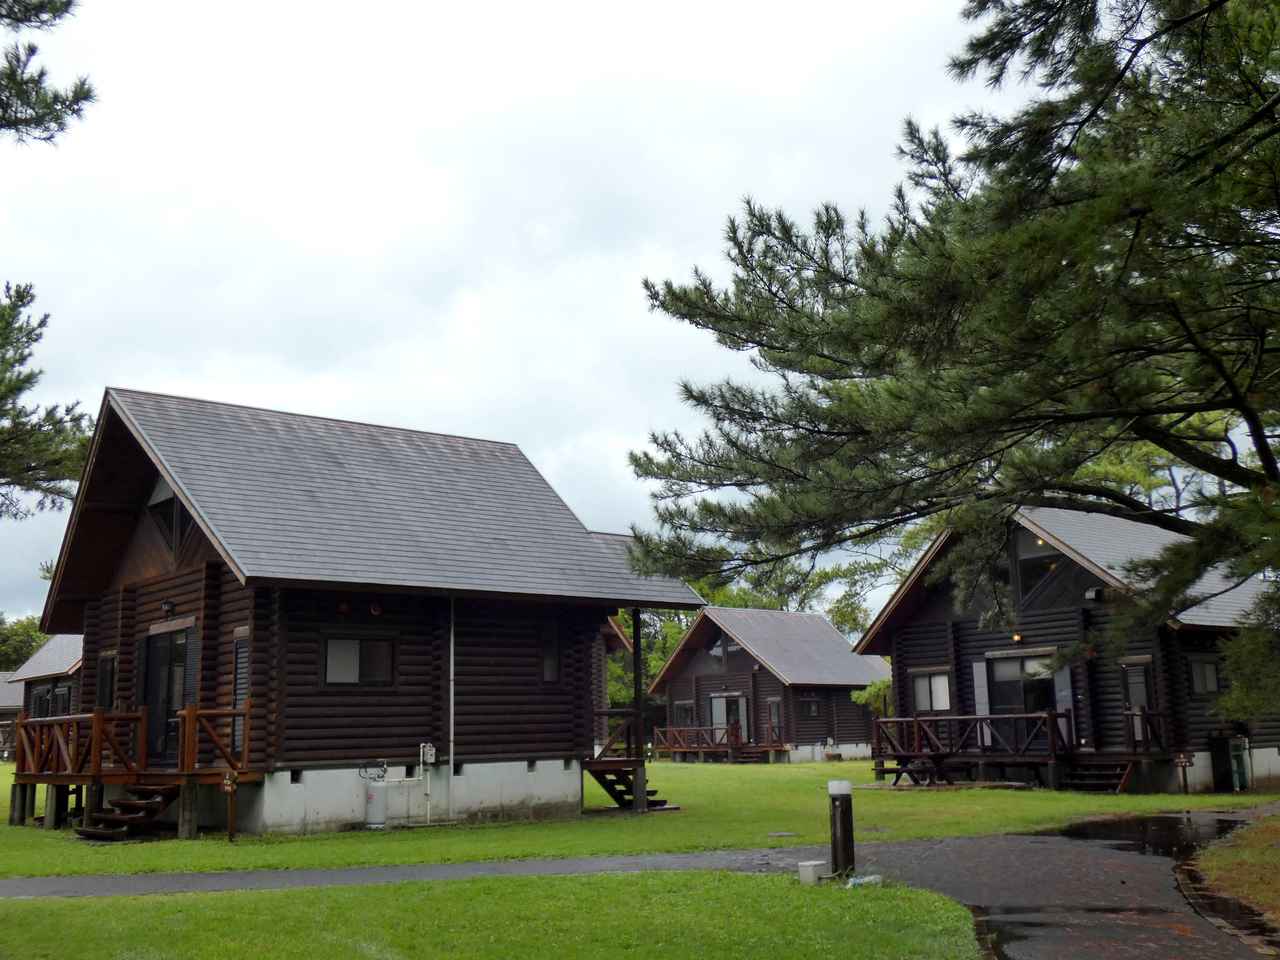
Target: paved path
(1108,892)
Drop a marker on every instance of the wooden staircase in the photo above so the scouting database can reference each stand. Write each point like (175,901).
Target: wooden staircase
(130,815)
(1098,774)
(616,776)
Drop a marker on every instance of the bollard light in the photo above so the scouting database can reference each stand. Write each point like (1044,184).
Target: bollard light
(841,795)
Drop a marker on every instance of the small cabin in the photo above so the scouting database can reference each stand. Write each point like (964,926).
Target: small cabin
(992,701)
(278,608)
(49,682)
(764,684)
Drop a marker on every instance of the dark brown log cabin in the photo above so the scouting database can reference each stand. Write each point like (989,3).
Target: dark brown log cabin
(764,683)
(984,701)
(271,602)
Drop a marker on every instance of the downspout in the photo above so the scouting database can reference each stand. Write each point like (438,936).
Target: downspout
(451,760)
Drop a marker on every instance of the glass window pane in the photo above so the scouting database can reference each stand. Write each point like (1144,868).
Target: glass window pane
(1003,671)
(1037,667)
(1210,676)
(1038,696)
(375,661)
(941,691)
(920,692)
(342,661)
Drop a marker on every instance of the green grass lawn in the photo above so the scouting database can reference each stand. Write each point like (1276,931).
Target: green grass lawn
(1246,865)
(635,915)
(722,807)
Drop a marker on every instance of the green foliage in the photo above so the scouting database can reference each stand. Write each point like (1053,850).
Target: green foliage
(31,109)
(19,639)
(41,449)
(876,697)
(1079,310)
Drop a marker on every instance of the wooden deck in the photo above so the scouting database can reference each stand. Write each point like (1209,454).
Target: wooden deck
(724,741)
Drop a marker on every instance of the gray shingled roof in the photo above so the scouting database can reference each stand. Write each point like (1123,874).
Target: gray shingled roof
(292,497)
(801,648)
(59,656)
(10,694)
(1106,544)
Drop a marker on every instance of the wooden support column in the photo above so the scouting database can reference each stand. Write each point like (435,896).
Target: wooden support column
(188,828)
(17,804)
(640,798)
(55,806)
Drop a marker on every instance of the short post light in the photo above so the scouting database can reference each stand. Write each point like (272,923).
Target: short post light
(841,794)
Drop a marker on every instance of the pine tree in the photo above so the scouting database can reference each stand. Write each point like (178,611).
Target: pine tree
(41,448)
(1079,303)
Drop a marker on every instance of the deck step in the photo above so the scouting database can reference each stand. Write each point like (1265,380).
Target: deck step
(108,818)
(147,791)
(103,833)
(140,806)
(131,815)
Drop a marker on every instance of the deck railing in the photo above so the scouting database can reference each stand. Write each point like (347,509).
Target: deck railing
(1145,732)
(81,744)
(93,744)
(667,739)
(1030,735)
(622,740)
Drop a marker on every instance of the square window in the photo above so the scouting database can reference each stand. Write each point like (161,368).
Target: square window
(941,691)
(375,661)
(1204,676)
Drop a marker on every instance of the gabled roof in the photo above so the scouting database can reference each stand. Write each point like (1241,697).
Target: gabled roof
(59,657)
(286,497)
(1103,545)
(10,696)
(798,648)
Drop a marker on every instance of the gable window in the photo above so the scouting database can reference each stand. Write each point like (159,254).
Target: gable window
(350,660)
(1037,559)
(1204,677)
(170,516)
(1021,685)
(931,691)
(550,654)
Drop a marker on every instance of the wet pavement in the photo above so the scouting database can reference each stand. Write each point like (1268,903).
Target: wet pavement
(1110,889)
(1115,889)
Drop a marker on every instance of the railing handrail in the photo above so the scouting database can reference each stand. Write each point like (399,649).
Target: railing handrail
(950,733)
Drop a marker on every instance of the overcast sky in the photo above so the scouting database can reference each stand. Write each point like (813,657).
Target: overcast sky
(438,217)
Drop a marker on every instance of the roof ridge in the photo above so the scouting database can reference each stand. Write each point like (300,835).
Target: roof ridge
(311,416)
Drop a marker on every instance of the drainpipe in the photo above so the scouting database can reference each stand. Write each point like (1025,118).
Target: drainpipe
(451,760)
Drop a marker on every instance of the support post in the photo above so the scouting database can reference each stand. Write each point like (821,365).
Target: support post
(17,801)
(188,829)
(29,805)
(841,794)
(55,806)
(92,802)
(640,796)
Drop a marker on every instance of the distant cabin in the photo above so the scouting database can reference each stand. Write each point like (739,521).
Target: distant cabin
(768,684)
(48,684)
(273,605)
(986,702)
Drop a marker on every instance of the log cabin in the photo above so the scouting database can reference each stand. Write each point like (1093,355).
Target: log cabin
(10,707)
(49,681)
(278,607)
(994,702)
(764,684)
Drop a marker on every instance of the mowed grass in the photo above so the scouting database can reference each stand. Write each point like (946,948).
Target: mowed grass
(666,915)
(722,807)
(1246,865)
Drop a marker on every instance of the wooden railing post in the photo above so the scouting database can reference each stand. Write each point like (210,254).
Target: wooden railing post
(187,758)
(142,741)
(19,734)
(95,742)
(1051,721)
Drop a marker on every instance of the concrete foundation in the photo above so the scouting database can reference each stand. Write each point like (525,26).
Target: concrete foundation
(817,752)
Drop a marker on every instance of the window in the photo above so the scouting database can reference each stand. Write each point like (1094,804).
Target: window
(1036,561)
(353,660)
(810,707)
(550,654)
(1204,677)
(1022,685)
(683,713)
(931,692)
(170,516)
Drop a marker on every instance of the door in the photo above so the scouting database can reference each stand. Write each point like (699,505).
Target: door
(728,717)
(775,721)
(166,680)
(1137,699)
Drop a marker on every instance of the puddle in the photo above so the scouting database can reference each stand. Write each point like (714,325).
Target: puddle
(1173,836)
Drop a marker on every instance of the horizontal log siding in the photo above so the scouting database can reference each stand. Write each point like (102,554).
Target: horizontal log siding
(1106,683)
(852,720)
(812,729)
(235,609)
(90,649)
(355,723)
(503,709)
(186,591)
(767,686)
(711,684)
(920,645)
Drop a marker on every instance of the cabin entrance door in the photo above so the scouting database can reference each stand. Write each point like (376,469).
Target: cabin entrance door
(729,714)
(1137,697)
(166,681)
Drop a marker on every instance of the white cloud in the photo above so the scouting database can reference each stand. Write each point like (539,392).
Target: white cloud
(439,216)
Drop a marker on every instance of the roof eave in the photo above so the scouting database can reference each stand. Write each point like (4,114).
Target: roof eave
(904,589)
